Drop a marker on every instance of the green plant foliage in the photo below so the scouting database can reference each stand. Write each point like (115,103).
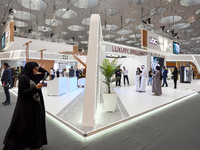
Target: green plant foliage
(108,69)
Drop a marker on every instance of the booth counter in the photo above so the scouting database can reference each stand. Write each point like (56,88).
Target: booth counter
(71,83)
(56,87)
(137,82)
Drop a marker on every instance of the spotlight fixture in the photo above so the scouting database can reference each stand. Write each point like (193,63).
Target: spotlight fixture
(172,32)
(149,20)
(52,34)
(144,22)
(11,11)
(162,27)
(30,30)
(176,35)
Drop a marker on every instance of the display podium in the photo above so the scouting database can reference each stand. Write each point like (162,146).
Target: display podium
(81,82)
(57,86)
(137,82)
(71,83)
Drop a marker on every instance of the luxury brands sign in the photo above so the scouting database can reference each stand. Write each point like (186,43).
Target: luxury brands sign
(123,50)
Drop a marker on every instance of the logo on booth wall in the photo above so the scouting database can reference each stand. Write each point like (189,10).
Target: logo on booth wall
(153,41)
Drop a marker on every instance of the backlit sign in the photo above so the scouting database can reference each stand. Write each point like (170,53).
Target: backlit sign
(153,41)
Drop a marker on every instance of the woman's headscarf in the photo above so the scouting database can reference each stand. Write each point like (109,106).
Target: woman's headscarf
(158,68)
(28,70)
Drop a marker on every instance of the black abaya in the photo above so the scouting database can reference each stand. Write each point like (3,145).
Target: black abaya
(27,128)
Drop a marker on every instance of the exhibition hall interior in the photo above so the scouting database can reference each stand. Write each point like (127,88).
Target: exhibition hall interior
(117,74)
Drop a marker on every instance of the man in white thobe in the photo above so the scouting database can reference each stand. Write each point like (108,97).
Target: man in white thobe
(143,79)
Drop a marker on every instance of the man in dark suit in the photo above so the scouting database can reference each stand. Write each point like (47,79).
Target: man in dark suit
(11,72)
(164,75)
(71,72)
(6,81)
(118,76)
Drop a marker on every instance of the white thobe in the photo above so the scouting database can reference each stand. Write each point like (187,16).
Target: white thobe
(143,80)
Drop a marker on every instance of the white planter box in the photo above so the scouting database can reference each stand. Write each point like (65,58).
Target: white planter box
(110,101)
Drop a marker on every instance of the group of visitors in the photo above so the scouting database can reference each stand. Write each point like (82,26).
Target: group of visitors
(118,75)
(63,73)
(157,77)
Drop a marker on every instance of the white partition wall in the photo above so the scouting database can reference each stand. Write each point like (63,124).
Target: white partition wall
(93,75)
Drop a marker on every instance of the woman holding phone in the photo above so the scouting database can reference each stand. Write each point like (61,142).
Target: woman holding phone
(27,128)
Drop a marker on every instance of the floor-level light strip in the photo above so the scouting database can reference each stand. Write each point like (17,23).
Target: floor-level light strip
(56,121)
(13,92)
(141,116)
(63,126)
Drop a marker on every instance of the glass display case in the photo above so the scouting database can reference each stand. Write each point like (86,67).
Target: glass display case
(186,74)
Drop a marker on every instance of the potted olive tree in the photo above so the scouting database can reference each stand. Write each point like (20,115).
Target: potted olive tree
(108,69)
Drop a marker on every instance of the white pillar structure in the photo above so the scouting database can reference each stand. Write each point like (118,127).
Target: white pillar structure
(93,75)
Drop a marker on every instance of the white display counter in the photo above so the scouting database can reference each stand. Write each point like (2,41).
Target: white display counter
(81,82)
(71,83)
(57,86)
(137,82)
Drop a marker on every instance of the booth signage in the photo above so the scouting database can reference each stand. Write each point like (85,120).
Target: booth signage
(153,41)
(127,51)
(157,55)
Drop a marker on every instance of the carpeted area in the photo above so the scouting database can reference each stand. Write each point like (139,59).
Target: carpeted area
(176,127)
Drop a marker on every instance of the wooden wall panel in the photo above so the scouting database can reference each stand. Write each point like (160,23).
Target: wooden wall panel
(143,38)
(11,31)
(170,64)
(75,49)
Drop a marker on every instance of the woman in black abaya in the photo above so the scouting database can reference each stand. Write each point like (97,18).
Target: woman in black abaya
(27,128)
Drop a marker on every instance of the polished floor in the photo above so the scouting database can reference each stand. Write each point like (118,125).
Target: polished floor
(176,127)
(69,106)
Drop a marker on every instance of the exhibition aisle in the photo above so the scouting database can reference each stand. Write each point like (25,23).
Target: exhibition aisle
(171,128)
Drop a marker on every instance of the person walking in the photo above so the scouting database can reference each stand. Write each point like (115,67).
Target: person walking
(77,73)
(27,128)
(20,71)
(58,73)
(125,73)
(164,76)
(52,73)
(156,86)
(150,76)
(6,81)
(175,76)
(118,76)
(143,79)
(16,76)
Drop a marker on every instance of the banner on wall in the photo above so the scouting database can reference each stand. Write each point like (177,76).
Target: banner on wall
(125,50)
(157,61)
(122,50)
(8,36)
(154,41)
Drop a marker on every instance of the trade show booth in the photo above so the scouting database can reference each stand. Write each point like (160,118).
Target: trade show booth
(82,109)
